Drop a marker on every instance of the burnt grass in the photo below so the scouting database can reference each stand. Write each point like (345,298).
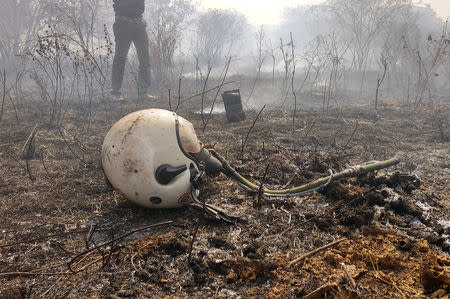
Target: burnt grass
(55,205)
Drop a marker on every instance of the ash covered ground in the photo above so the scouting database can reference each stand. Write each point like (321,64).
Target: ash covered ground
(392,225)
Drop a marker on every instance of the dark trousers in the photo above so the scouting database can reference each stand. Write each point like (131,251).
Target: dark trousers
(125,32)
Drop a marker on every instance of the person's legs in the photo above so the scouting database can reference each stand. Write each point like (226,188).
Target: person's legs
(123,38)
(140,41)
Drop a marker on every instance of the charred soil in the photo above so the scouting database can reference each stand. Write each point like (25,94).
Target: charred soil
(63,230)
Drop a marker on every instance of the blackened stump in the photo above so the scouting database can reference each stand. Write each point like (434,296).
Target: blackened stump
(233,105)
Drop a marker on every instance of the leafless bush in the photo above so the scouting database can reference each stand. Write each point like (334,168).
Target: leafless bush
(216,33)
(165,19)
(437,51)
(260,57)
(384,63)
(287,63)
(20,21)
(324,59)
(50,57)
(62,69)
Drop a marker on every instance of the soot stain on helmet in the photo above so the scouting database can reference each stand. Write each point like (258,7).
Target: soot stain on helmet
(131,166)
(130,128)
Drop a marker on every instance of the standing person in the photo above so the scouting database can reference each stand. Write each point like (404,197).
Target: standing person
(129,26)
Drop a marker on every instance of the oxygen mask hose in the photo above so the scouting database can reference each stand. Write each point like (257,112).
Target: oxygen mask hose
(212,165)
(309,187)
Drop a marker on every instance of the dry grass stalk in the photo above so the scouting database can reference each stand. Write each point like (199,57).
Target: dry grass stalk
(244,140)
(28,148)
(301,258)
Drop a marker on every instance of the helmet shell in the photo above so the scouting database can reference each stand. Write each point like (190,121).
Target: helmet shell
(138,144)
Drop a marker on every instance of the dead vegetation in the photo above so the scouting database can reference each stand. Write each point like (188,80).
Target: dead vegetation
(64,233)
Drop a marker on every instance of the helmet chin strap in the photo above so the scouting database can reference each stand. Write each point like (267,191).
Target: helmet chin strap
(180,145)
(198,177)
(211,210)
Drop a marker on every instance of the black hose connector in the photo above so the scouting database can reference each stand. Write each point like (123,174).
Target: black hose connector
(212,165)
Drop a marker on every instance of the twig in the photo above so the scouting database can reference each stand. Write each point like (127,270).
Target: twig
(62,249)
(43,162)
(203,93)
(14,107)
(290,181)
(261,189)
(336,207)
(317,293)
(292,81)
(7,274)
(30,175)
(15,159)
(49,289)
(26,147)
(96,260)
(4,93)
(28,151)
(337,132)
(42,238)
(35,272)
(389,283)
(106,261)
(349,277)
(170,104)
(310,128)
(132,262)
(244,140)
(80,255)
(191,246)
(211,89)
(179,95)
(217,93)
(70,148)
(89,235)
(301,258)
(351,136)
(80,145)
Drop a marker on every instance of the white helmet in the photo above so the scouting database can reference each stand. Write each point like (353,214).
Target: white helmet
(147,156)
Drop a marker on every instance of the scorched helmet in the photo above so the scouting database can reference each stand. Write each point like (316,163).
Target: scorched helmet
(147,155)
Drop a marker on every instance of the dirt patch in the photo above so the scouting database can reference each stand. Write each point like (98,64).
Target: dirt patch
(379,262)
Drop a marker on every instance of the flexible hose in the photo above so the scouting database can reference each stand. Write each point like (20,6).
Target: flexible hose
(296,191)
(309,187)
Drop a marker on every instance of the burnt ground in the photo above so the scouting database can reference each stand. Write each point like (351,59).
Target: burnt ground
(55,206)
